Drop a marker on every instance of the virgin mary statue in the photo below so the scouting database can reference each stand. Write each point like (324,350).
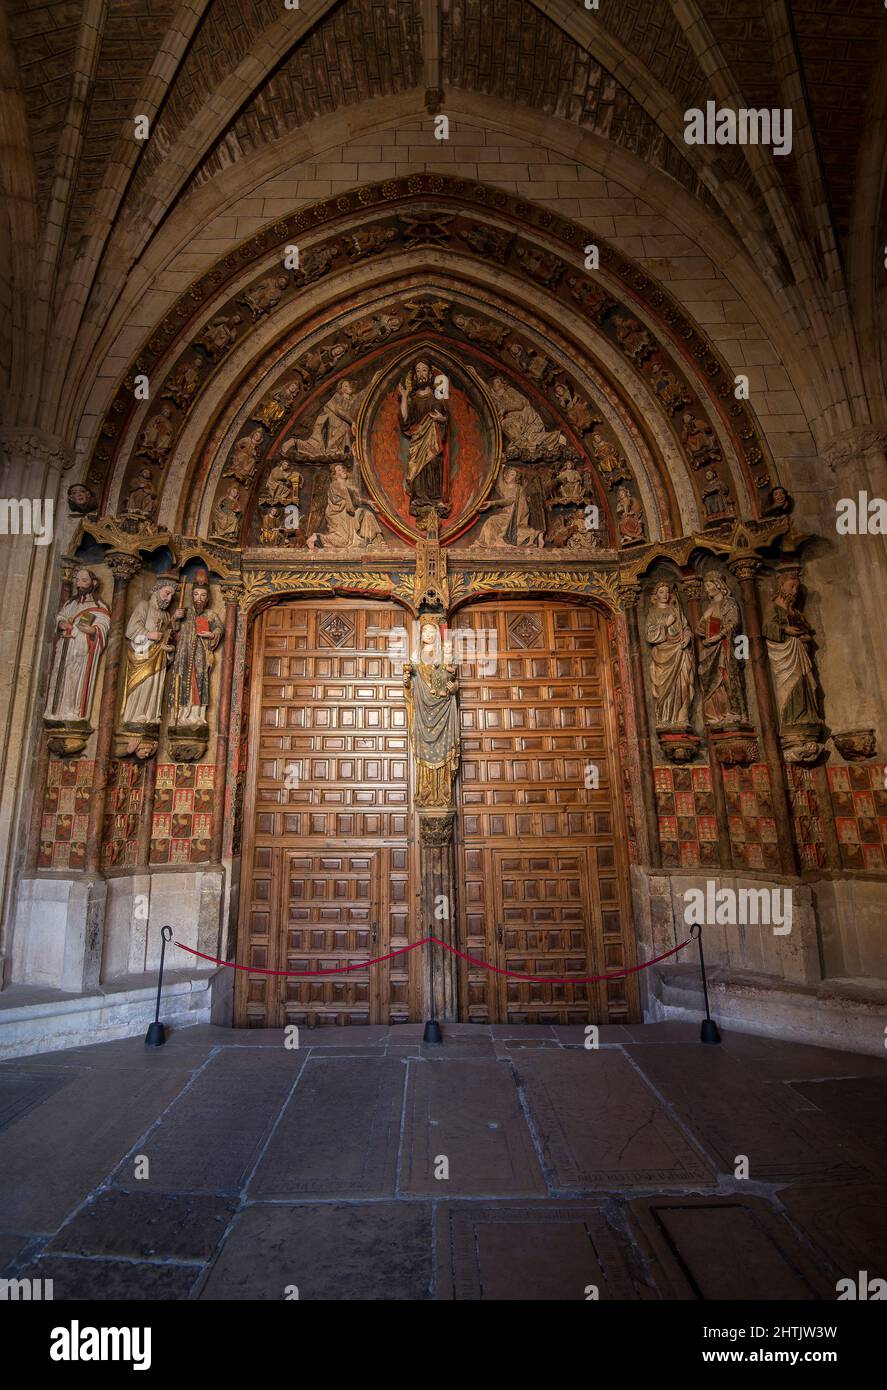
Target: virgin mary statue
(430,690)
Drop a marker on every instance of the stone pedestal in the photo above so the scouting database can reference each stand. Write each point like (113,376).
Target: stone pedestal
(58,932)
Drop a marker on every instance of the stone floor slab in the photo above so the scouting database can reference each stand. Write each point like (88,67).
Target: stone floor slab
(211,1138)
(724,1248)
(858,1107)
(601,1127)
(354,1252)
(468,1112)
(339,1134)
(539,1251)
(104,1280)
(771,1059)
(146,1225)
(21,1091)
(847,1223)
(54,1156)
(733,1113)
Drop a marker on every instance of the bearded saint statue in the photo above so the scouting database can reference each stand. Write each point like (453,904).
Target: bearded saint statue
(425,424)
(430,689)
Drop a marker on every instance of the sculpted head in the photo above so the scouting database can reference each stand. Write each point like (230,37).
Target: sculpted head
(85,582)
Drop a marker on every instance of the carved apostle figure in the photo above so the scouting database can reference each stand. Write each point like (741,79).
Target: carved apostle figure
(519,517)
(720,675)
(349,520)
(700,440)
(789,639)
(430,688)
(183,383)
(197,634)
(524,429)
(142,497)
(629,517)
(147,655)
(672,674)
(219,335)
(264,296)
(82,626)
(278,404)
(155,440)
(333,429)
(225,520)
(244,457)
(424,421)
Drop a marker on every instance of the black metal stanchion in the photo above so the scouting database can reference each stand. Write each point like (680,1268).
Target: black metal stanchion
(432,1032)
(709,1031)
(155,1036)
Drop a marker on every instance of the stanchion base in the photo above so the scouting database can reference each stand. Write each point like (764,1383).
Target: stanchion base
(155,1036)
(432,1032)
(709,1032)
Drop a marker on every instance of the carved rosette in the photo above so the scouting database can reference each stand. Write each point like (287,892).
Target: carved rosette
(855,745)
(436,828)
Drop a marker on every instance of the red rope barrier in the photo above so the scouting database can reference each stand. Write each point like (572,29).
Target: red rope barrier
(472,960)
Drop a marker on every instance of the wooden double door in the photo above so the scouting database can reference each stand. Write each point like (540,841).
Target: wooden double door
(331,867)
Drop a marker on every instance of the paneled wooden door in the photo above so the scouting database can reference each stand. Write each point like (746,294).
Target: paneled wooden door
(544,863)
(329,868)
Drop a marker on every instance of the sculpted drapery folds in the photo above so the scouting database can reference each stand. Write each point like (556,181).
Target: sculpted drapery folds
(82,626)
(425,423)
(672,674)
(197,634)
(515,521)
(720,675)
(789,638)
(430,690)
(147,656)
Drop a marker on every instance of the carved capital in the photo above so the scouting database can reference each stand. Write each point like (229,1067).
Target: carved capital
(691,587)
(437,830)
(232,590)
(629,595)
(122,565)
(853,444)
(32,447)
(744,566)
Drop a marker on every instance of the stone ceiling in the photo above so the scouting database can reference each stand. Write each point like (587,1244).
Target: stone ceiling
(221,78)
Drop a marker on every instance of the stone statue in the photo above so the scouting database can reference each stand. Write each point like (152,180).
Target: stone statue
(278,404)
(264,296)
(672,668)
(720,675)
(225,520)
(244,457)
(610,463)
(197,633)
(629,517)
(155,440)
(526,437)
(672,393)
(283,486)
(520,514)
(789,638)
(634,339)
(700,440)
(147,655)
(142,497)
(82,624)
(333,428)
(349,520)
(715,497)
(430,689)
(425,423)
(220,334)
(576,408)
(81,499)
(183,383)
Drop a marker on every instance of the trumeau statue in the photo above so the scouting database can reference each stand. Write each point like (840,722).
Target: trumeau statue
(430,686)
(720,675)
(82,626)
(789,638)
(197,633)
(672,668)
(147,655)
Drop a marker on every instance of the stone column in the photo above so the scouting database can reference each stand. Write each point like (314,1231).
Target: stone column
(630,595)
(231,593)
(438,907)
(745,568)
(41,764)
(123,567)
(692,589)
